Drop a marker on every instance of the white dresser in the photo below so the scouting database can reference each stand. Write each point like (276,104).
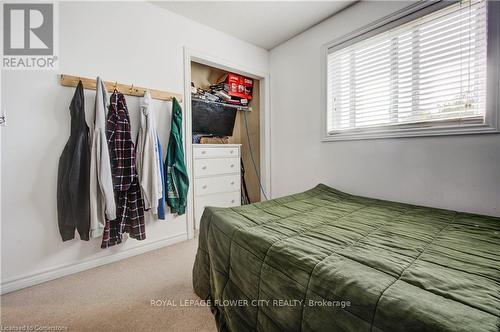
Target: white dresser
(217,177)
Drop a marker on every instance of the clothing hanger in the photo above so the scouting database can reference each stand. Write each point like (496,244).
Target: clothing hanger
(113,87)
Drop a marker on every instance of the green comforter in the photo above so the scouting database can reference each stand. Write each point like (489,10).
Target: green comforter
(324,260)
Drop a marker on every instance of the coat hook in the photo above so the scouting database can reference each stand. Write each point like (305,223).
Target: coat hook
(116,83)
(131,89)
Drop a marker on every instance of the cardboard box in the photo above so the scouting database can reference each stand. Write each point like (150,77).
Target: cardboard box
(214,140)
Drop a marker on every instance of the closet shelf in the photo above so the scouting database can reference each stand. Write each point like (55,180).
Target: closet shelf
(126,89)
(237,107)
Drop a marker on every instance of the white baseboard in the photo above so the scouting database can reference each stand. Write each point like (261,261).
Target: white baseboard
(51,274)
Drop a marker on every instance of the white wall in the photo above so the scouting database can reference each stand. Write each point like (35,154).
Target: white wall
(131,42)
(455,172)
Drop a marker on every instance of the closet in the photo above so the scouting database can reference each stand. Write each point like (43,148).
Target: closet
(216,150)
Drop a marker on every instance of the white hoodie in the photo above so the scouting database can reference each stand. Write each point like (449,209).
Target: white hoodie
(102,198)
(147,158)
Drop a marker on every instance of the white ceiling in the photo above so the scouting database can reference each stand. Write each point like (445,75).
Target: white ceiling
(262,23)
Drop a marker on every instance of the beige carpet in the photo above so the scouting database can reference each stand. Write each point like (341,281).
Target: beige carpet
(116,297)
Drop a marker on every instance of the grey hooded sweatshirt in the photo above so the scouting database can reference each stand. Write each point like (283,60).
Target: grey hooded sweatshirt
(102,199)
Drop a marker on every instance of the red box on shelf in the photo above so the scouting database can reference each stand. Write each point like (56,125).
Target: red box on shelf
(239,86)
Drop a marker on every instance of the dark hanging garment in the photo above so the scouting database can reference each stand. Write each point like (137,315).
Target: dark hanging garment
(129,202)
(177,180)
(73,178)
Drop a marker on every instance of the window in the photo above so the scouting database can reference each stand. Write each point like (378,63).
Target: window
(423,74)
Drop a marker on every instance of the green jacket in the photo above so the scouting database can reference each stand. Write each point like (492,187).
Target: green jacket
(177,180)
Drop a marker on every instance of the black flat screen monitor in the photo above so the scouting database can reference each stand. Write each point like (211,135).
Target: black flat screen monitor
(213,119)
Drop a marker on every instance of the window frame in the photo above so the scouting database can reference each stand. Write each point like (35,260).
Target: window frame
(407,14)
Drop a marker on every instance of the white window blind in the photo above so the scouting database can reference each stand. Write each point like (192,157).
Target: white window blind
(427,72)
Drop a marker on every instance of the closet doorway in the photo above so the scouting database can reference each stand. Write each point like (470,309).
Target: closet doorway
(219,130)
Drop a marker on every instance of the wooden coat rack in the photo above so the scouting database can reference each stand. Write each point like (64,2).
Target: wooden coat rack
(126,89)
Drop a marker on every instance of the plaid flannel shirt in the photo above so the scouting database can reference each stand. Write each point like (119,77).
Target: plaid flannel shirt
(129,202)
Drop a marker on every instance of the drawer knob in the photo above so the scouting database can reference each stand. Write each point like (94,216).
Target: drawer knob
(232,182)
(204,167)
(232,201)
(232,151)
(204,186)
(203,152)
(232,165)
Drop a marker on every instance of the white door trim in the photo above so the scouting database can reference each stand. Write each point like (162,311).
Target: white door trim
(265,120)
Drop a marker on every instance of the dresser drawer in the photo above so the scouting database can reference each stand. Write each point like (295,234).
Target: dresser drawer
(217,200)
(207,167)
(217,152)
(216,184)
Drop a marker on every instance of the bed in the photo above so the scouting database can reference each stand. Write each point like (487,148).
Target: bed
(324,260)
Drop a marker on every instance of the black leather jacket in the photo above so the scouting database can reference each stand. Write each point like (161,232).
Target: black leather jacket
(73,206)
